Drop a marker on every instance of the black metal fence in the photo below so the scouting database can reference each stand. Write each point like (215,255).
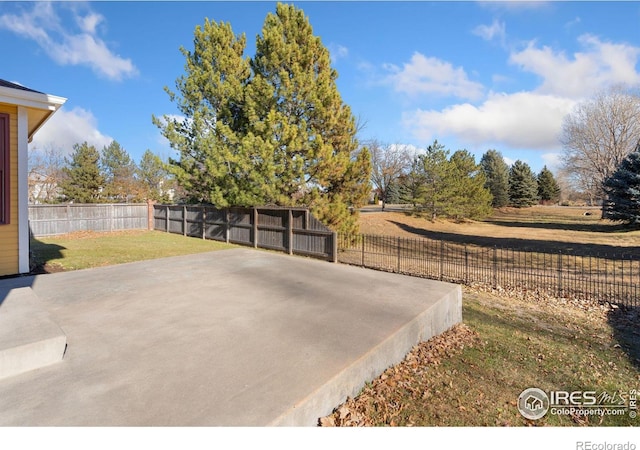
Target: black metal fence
(290,230)
(612,278)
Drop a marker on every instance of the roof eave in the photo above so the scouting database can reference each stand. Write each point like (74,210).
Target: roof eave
(35,100)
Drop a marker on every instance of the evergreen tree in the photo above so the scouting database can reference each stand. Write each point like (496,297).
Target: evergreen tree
(496,172)
(437,189)
(446,187)
(213,167)
(120,173)
(469,196)
(83,181)
(154,177)
(411,185)
(623,190)
(548,188)
(269,130)
(298,119)
(523,187)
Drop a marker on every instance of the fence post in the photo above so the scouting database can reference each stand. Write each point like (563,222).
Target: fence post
(441,260)
(204,222)
(399,251)
(290,231)
(111,218)
(495,267)
(151,222)
(68,210)
(363,237)
(559,274)
(255,227)
(466,265)
(334,247)
(184,220)
(167,222)
(227,227)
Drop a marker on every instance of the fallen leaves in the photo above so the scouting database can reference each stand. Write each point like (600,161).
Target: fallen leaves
(380,401)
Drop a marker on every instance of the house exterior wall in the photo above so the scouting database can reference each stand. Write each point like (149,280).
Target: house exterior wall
(9,233)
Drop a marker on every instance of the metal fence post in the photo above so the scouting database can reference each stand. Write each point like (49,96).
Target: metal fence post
(441,260)
(466,265)
(363,237)
(399,252)
(559,274)
(495,267)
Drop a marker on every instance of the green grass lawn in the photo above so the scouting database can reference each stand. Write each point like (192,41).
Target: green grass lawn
(86,250)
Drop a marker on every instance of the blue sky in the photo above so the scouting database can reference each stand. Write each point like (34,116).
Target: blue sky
(473,75)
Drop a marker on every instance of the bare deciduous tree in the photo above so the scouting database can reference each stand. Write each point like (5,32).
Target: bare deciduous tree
(388,162)
(45,174)
(598,134)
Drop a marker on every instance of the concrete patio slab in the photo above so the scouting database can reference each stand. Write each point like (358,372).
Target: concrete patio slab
(231,338)
(29,339)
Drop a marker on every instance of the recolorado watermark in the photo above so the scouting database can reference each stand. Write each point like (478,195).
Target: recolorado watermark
(588,445)
(534,404)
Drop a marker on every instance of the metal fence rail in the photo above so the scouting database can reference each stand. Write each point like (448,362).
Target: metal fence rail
(290,230)
(612,278)
(51,220)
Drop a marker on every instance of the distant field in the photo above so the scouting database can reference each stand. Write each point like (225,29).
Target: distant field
(89,249)
(543,227)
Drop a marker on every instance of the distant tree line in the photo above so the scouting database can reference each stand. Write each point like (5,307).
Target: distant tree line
(454,185)
(91,176)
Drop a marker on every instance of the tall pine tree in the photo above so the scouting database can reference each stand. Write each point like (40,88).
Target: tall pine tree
(270,130)
(623,190)
(83,180)
(496,172)
(523,187)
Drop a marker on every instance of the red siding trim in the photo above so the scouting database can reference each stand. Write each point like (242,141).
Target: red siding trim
(5,179)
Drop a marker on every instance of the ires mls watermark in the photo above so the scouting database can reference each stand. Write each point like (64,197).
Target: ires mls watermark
(534,403)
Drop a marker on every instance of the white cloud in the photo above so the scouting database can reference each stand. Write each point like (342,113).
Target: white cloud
(553,161)
(428,75)
(43,25)
(337,52)
(521,120)
(489,32)
(66,128)
(600,64)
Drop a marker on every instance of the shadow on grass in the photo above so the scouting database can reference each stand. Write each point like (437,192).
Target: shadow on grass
(41,254)
(595,227)
(625,322)
(538,246)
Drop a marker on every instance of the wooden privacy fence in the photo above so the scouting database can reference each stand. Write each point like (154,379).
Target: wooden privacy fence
(612,278)
(51,220)
(290,230)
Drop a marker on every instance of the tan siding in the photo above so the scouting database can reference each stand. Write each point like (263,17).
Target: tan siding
(9,233)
